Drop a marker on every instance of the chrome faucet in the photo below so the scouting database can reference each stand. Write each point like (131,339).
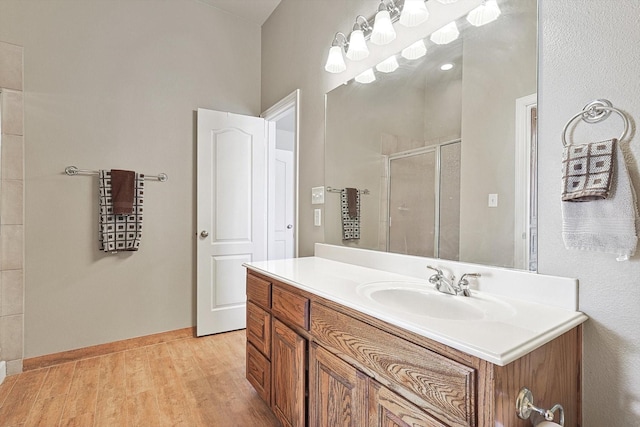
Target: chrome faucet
(447,285)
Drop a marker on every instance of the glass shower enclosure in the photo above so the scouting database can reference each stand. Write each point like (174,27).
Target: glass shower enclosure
(423,188)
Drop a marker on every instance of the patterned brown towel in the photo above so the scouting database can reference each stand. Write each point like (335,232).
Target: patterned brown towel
(350,222)
(119,232)
(587,171)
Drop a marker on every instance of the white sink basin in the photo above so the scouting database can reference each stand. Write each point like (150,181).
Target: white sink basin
(423,300)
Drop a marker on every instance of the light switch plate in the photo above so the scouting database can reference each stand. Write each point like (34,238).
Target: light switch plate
(493,200)
(317,195)
(317,217)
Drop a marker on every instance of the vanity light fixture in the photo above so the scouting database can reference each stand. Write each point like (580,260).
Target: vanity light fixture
(446,34)
(415,51)
(487,12)
(414,12)
(446,67)
(389,65)
(383,32)
(335,60)
(447,1)
(358,49)
(366,77)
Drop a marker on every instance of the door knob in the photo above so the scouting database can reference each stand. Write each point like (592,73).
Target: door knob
(289,226)
(204,233)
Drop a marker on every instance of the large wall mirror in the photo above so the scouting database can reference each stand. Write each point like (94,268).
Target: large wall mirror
(442,156)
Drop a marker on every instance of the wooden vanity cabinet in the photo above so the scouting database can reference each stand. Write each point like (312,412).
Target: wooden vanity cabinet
(358,371)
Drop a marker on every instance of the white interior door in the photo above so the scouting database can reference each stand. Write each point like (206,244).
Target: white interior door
(231,215)
(283,226)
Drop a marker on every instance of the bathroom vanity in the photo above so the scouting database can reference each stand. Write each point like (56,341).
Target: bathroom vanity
(328,345)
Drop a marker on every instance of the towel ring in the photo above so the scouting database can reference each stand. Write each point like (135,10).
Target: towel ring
(595,112)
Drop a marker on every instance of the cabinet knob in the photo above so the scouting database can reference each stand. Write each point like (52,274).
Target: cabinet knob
(289,226)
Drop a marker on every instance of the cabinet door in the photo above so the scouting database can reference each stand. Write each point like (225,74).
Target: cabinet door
(337,391)
(288,375)
(259,328)
(387,409)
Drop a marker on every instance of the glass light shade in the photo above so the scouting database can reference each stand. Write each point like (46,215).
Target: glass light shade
(447,1)
(389,65)
(446,34)
(383,32)
(366,77)
(335,61)
(357,46)
(414,12)
(415,51)
(487,12)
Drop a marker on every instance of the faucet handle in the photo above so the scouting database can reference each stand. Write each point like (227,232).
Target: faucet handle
(463,284)
(465,275)
(437,270)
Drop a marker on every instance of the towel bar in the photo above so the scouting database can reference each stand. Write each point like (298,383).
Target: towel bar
(595,112)
(339,190)
(72,170)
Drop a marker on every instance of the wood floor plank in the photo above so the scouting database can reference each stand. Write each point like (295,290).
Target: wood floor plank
(46,411)
(58,380)
(138,373)
(82,420)
(142,409)
(6,386)
(83,391)
(21,399)
(111,409)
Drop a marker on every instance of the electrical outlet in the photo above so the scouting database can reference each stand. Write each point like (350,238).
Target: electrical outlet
(493,200)
(317,195)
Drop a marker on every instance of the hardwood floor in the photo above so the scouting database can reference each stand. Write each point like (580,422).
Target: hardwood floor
(185,382)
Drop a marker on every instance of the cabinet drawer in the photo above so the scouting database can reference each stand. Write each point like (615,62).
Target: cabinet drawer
(440,386)
(290,308)
(259,373)
(259,328)
(259,291)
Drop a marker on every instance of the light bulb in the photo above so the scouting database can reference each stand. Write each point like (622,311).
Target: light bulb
(366,77)
(446,34)
(389,65)
(414,12)
(415,51)
(446,67)
(357,46)
(383,32)
(487,12)
(335,61)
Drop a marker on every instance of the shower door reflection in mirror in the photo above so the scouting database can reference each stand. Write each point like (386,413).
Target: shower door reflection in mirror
(423,201)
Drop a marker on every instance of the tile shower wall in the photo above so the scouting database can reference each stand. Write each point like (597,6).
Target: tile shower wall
(11,208)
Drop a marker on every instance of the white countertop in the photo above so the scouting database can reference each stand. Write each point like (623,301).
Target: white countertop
(512,329)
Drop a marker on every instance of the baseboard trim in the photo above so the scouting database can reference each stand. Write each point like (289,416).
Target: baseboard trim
(102,349)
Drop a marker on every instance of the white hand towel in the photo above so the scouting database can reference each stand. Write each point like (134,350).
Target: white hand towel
(607,225)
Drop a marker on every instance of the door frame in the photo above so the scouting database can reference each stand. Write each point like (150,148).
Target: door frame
(272,114)
(525,165)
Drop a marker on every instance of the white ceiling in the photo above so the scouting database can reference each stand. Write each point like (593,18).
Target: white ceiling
(256,11)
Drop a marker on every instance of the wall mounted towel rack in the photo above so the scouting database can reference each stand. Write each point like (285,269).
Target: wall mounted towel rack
(72,170)
(595,112)
(339,190)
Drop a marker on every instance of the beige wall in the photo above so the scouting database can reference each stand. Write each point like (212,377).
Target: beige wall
(11,208)
(114,84)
